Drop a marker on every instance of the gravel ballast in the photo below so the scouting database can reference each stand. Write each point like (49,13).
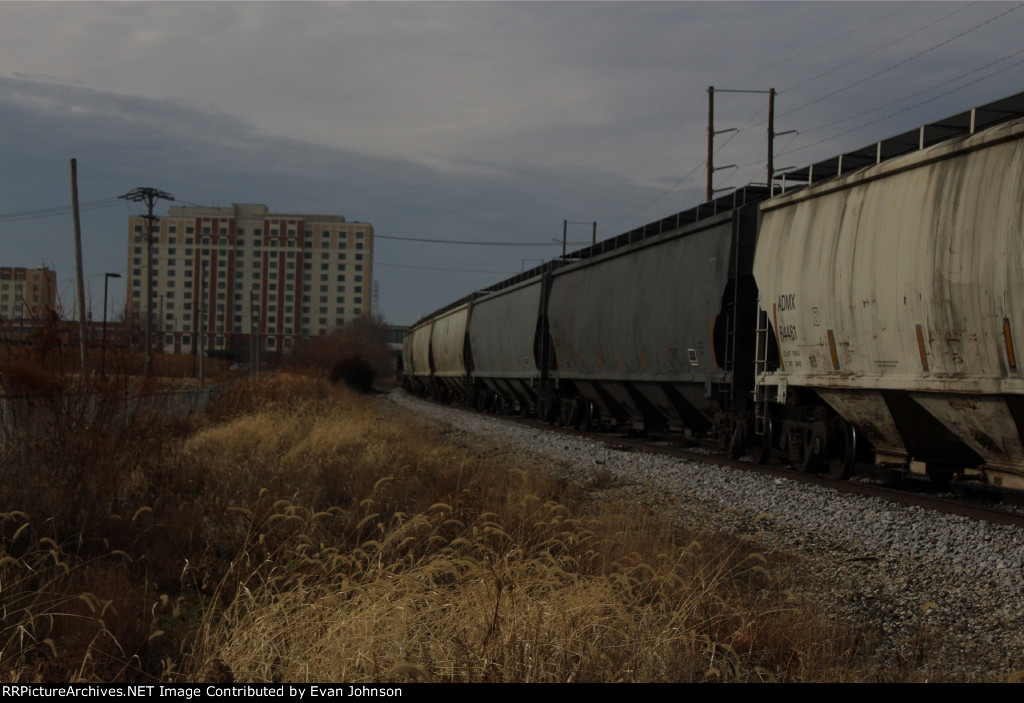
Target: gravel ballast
(921,580)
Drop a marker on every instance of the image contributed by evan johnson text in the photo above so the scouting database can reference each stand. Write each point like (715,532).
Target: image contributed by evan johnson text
(199,691)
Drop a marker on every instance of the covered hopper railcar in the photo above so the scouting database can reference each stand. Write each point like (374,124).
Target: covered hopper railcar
(658,331)
(873,312)
(650,329)
(895,295)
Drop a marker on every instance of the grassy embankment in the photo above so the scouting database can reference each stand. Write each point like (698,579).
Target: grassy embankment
(301,532)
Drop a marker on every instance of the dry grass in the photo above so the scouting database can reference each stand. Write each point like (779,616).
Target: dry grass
(305,533)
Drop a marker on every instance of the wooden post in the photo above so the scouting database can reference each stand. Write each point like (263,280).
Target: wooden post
(82,327)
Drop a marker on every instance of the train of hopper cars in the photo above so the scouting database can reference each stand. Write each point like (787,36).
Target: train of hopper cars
(871,311)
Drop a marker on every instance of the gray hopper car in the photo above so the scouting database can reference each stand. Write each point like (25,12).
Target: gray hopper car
(649,330)
(872,312)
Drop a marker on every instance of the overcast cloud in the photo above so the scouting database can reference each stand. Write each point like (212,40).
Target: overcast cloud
(478,121)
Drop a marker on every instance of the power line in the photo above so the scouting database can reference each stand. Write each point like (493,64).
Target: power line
(875,51)
(57,210)
(472,243)
(908,108)
(750,121)
(899,63)
(432,268)
(748,125)
(674,186)
(911,96)
(746,78)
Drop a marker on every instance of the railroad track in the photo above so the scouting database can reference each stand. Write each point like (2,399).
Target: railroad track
(978,506)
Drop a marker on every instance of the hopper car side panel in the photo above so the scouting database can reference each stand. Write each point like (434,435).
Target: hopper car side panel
(502,334)
(448,350)
(418,367)
(642,333)
(894,294)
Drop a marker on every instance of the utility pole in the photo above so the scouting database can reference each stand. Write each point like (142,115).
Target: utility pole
(565,232)
(771,141)
(710,191)
(712,133)
(82,327)
(148,196)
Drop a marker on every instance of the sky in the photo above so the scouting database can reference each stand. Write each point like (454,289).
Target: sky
(482,122)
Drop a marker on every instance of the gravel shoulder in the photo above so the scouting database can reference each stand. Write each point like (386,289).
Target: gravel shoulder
(923,581)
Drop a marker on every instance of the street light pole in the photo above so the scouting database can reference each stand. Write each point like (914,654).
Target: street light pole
(103,355)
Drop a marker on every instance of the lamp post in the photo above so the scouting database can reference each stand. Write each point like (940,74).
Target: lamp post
(103,354)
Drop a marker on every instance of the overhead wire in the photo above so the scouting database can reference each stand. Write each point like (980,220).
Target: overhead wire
(911,96)
(900,112)
(57,210)
(901,8)
(899,63)
(749,124)
(673,187)
(468,242)
(750,121)
(878,73)
(876,50)
(448,270)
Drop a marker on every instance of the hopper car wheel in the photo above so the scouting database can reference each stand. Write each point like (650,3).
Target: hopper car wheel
(812,450)
(842,449)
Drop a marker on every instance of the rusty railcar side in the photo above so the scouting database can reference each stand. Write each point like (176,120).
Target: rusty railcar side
(894,295)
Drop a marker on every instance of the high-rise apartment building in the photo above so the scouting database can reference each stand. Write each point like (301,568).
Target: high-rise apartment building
(244,275)
(27,294)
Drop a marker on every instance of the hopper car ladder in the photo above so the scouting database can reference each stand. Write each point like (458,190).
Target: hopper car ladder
(760,367)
